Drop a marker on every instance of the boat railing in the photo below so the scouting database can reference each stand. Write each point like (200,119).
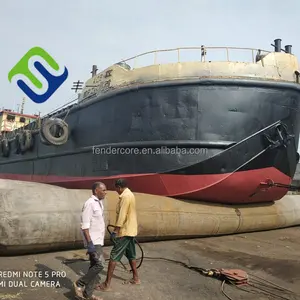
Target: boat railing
(192,54)
(182,54)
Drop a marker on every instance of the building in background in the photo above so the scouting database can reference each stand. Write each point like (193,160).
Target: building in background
(11,120)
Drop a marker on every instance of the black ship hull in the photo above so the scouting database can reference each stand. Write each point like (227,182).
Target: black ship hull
(211,140)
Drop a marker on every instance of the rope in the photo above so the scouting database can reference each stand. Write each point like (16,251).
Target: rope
(254,286)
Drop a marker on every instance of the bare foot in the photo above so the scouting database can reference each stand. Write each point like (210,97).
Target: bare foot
(96,298)
(103,287)
(132,281)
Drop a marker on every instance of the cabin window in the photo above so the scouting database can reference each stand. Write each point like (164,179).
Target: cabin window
(10,118)
(22,119)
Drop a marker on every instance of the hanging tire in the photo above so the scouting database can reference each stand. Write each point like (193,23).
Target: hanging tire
(54,131)
(25,140)
(5,147)
(17,143)
(43,140)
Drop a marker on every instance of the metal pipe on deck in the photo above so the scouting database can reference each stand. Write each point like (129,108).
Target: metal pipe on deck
(277,44)
(288,49)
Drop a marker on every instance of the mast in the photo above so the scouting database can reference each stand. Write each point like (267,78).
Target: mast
(22,106)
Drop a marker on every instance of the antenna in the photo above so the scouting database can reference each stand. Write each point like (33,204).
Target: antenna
(22,106)
(94,70)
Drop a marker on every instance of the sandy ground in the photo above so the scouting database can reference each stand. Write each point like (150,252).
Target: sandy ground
(272,255)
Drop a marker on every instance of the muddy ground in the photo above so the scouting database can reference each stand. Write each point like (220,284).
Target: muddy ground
(272,255)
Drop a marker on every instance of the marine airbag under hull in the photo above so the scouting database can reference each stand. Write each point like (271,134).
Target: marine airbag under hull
(38,217)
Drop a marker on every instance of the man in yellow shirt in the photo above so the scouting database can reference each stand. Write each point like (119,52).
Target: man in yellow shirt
(123,235)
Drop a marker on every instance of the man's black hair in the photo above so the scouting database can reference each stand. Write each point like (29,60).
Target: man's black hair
(96,185)
(121,183)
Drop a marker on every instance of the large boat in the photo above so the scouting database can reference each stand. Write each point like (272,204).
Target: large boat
(210,129)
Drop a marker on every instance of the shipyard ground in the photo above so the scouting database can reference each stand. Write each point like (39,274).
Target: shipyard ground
(273,255)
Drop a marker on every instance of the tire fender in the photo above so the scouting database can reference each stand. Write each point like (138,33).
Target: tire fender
(54,131)
(5,147)
(25,140)
(17,143)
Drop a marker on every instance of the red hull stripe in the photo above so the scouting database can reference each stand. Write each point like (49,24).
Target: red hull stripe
(222,188)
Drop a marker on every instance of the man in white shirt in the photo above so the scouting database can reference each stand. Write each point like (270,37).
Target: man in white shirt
(93,231)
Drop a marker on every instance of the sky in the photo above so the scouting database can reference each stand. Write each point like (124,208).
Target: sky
(81,33)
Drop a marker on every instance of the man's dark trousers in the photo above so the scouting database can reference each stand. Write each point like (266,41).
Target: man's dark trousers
(92,277)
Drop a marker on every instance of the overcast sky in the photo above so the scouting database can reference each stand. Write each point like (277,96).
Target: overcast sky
(81,33)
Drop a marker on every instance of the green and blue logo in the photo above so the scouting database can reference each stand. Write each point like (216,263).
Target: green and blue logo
(22,69)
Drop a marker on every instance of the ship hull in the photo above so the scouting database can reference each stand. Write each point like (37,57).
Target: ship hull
(235,188)
(230,136)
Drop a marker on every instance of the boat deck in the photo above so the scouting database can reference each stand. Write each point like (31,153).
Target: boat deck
(273,255)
